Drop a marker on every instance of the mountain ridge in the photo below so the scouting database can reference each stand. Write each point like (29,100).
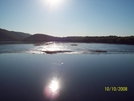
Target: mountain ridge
(6,35)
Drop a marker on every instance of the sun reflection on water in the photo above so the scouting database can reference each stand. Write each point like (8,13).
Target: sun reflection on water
(53,47)
(54,86)
(51,91)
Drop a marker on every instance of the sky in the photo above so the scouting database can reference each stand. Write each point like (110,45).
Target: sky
(69,17)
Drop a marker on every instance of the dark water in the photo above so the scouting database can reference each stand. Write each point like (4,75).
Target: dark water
(81,77)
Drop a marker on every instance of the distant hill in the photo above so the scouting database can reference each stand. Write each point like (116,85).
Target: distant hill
(6,35)
(20,35)
(87,39)
(41,37)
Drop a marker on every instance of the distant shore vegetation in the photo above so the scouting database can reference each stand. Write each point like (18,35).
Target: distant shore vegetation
(20,37)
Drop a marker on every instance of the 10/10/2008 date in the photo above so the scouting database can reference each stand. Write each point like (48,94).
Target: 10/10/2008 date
(116,89)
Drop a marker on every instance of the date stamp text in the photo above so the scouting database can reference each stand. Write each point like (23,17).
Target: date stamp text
(116,89)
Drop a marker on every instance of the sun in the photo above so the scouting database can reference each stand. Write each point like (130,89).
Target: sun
(54,2)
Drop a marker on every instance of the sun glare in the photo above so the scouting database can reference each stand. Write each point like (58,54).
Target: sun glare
(54,86)
(54,2)
(52,90)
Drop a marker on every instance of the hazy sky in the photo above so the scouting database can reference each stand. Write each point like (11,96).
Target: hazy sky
(69,17)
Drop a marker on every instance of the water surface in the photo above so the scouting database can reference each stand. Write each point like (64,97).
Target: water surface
(67,48)
(81,77)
